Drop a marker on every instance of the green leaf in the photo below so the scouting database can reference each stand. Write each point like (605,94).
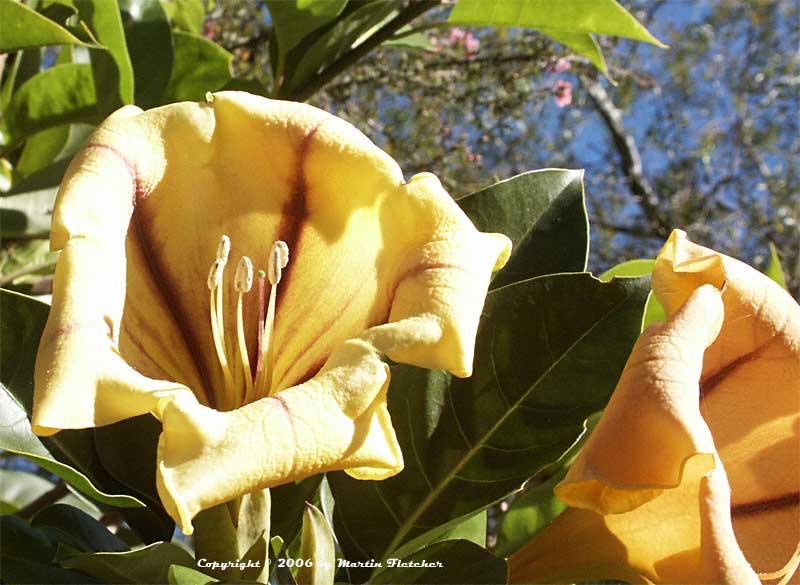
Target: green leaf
(289,505)
(150,564)
(536,505)
(149,41)
(59,95)
(111,66)
(294,20)
(774,269)
(582,43)
(544,214)
(199,66)
(654,311)
(27,215)
(186,15)
(59,143)
(22,320)
(317,549)
(548,354)
(25,555)
(20,488)
(179,575)
(417,41)
(82,531)
(24,28)
(457,562)
(605,17)
(323,47)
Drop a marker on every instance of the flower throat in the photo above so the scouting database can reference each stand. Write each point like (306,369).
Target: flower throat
(250,389)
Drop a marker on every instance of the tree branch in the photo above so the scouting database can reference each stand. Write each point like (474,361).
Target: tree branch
(408,14)
(631,159)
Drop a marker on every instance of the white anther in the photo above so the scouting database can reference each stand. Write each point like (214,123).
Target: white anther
(224,248)
(215,274)
(243,281)
(209,98)
(278,259)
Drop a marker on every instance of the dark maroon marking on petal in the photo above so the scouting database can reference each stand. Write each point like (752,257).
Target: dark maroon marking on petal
(282,401)
(155,265)
(295,212)
(767,504)
(141,190)
(713,380)
(314,368)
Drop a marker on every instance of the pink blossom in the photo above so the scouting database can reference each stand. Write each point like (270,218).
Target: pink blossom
(562,65)
(471,43)
(210,29)
(457,34)
(563,93)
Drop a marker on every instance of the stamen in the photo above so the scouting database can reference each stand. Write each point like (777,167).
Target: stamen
(243,282)
(216,312)
(278,259)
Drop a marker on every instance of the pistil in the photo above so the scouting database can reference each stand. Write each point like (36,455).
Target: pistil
(243,283)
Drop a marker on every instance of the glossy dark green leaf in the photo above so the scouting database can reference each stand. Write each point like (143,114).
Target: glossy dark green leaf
(24,28)
(26,554)
(84,532)
(456,562)
(22,320)
(642,267)
(186,15)
(27,215)
(549,352)
(150,564)
(544,214)
(288,505)
(317,547)
(199,66)
(111,66)
(179,575)
(296,19)
(59,95)
(324,46)
(149,41)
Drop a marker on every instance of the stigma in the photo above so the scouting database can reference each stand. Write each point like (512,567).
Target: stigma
(240,384)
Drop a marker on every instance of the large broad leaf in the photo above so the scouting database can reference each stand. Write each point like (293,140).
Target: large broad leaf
(112,68)
(641,267)
(22,320)
(323,47)
(24,28)
(289,501)
(200,66)
(150,564)
(548,354)
(69,454)
(605,17)
(77,528)
(544,214)
(186,15)
(294,20)
(149,41)
(59,95)
(55,144)
(456,562)
(569,23)
(26,554)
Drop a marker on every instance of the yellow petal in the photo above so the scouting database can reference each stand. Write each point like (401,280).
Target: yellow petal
(336,420)
(750,393)
(650,502)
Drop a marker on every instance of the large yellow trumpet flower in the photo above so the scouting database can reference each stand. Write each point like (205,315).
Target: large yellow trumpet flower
(238,268)
(693,473)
